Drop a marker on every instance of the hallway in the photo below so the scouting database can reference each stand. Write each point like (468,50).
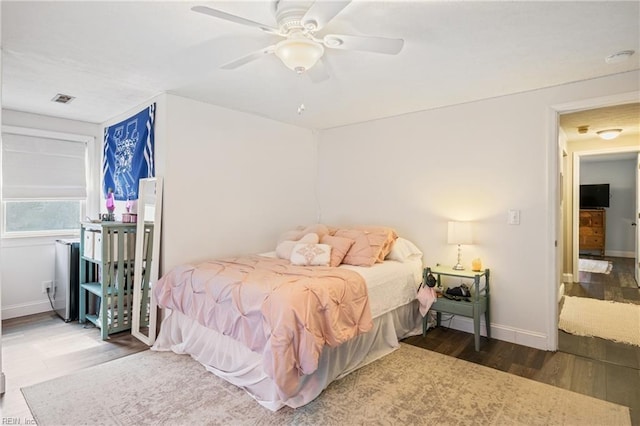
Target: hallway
(614,364)
(618,286)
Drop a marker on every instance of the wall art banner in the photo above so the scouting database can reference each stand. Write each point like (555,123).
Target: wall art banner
(128,154)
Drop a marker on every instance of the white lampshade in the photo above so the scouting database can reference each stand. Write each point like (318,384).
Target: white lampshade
(299,54)
(459,233)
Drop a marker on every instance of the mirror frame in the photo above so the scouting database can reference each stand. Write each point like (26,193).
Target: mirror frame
(154,267)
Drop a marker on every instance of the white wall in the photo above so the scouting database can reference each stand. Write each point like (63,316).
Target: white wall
(467,162)
(27,262)
(233,181)
(621,177)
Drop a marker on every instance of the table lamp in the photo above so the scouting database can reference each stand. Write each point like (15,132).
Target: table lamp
(459,233)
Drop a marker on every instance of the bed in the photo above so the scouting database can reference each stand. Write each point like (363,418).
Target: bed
(284,331)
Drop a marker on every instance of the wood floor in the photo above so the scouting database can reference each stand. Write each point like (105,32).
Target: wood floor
(599,379)
(618,286)
(591,366)
(40,347)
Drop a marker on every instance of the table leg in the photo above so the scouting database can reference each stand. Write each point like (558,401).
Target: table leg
(487,320)
(476,327)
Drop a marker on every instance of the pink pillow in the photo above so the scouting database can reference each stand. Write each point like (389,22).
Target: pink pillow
(388,236)
(371,245)
(339,248)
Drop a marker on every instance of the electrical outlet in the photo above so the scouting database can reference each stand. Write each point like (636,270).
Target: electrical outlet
(46,285)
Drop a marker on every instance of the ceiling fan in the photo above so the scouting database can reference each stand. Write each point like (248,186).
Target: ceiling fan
(298,22)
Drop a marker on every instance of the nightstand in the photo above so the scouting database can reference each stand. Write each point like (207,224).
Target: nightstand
(477,305)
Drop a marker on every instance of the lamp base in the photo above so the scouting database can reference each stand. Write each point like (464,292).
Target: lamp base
(459,266)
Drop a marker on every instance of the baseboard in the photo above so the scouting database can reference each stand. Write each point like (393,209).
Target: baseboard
(24,309)
(567,278)
(500,332)
(619,253)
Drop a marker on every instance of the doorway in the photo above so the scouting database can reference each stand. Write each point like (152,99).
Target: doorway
(615,169)
(585,148)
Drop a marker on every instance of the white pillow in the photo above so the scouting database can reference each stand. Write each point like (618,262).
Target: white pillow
(307,254)
(403,250)
(284,248)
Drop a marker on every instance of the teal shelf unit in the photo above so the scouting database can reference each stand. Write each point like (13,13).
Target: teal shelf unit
(478,305)
(107,260)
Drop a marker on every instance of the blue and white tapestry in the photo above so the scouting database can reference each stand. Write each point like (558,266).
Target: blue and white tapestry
(129,154)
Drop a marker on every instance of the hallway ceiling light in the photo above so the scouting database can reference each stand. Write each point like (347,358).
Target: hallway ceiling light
(609,133)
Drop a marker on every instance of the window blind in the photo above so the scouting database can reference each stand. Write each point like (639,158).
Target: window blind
(39,167)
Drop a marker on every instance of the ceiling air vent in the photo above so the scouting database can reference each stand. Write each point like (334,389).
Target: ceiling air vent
(62,99)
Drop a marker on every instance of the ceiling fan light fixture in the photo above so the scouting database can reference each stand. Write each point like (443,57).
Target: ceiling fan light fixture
(299,54)
(609,134)
(310,25)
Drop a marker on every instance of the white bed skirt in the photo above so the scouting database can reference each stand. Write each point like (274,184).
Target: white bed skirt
(235,363)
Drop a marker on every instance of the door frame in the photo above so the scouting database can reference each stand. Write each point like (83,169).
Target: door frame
(556,228)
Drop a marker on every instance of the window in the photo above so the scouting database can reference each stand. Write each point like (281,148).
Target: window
(42,217)
(44,183)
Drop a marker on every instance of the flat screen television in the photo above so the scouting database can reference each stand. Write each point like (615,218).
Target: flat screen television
(594,196)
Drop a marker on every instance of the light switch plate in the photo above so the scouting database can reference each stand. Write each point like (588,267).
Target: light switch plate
(513,217)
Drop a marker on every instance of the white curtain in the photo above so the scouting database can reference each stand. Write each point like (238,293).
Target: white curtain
(38,167)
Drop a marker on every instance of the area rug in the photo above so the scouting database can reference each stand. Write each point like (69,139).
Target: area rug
(615,321)
(409,386)
(595,266)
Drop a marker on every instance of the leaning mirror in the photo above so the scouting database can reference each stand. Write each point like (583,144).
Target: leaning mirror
(147,260)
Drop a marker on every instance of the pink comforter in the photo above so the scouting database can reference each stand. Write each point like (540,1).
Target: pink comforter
(286,312)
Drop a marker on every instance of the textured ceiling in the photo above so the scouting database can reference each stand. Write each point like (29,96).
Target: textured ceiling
(113,56)
(625,117)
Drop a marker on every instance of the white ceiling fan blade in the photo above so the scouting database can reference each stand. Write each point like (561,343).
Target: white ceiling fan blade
(390,46)
(321,12)
(233,18)
(248,58)
(318,72)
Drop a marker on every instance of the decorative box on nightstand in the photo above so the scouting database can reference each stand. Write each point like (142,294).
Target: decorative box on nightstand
(477,305)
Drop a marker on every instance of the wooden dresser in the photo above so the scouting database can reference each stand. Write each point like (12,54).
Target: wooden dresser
(592,230)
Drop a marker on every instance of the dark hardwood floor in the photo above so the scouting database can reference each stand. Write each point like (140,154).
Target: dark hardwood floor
(591,366)
(618,286)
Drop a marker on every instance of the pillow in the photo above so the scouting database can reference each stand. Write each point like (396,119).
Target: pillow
(339,248)
(301,231)
(403,250)
(361,253)
(388,236)
(372,244)
(284,248)
(307,254)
